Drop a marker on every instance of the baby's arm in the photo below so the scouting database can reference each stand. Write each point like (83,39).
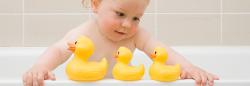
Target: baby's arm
(147,43)
(58,53)
(49,60)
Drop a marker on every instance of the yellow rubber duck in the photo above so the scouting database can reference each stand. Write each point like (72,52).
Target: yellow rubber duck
(79,68)
(159,71)
(122,70)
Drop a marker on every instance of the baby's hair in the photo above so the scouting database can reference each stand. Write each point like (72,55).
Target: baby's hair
(86,3)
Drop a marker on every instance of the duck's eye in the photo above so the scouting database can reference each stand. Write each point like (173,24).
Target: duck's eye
(118,53)
(155,52)
(75,42)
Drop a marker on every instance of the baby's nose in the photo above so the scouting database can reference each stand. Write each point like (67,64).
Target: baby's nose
(126,23)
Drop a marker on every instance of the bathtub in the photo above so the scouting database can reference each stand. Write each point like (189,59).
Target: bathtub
(231,63)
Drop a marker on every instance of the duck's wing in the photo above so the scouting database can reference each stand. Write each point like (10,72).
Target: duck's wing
(103,63)
(140,67)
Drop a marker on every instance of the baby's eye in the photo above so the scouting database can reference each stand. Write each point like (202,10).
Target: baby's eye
(120,14)
(136,19)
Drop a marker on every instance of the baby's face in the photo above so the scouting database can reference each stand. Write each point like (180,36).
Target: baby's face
(119,19)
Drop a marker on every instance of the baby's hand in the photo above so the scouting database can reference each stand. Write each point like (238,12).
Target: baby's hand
(36,76)
(200,76)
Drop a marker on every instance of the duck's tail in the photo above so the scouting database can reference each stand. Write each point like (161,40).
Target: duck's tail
(178,68)
(104,63)
(141,69)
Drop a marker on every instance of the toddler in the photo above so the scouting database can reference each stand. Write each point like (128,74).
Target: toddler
(115,24)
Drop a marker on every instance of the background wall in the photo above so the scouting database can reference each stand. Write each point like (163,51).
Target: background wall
(175,22)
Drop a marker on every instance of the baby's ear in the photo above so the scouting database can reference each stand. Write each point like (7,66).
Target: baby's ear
(95,4)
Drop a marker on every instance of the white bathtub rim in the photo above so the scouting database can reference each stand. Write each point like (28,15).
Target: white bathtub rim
(190,81)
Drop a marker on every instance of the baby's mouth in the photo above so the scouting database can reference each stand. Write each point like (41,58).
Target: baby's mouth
(121,33)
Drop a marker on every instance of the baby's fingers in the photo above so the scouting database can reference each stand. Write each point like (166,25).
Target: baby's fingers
(210,79)
(197,78)
(184,75)
(35,82)
(50,76)
(204,78)
(27,79)
(40,78)
(215,77)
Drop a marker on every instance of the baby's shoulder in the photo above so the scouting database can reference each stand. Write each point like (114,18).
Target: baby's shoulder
(141,37)
(74,33)
(141,33)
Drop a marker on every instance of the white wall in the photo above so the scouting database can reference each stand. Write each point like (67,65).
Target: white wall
(175,22)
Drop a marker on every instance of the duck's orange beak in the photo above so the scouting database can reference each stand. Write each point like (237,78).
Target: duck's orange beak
(115,55)
(152,55)
(72,47)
